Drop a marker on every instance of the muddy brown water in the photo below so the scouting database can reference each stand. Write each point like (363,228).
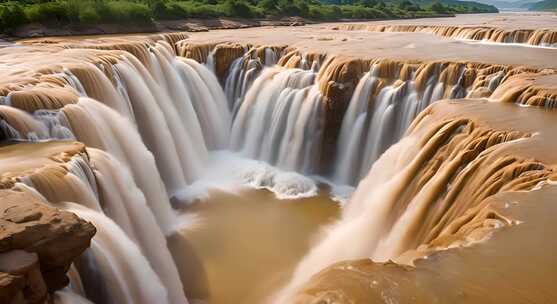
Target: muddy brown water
(243,247)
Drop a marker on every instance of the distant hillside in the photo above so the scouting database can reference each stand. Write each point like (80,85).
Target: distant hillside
(472,5)
(509,4)
(456,6)
(15,14)
(545,5)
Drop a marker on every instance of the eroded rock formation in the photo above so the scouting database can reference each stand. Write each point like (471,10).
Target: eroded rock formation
(442,240)
(38,243)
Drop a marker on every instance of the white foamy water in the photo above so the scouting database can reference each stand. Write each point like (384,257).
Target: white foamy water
(231,172)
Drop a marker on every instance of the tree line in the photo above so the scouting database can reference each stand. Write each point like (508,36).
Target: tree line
(85,12)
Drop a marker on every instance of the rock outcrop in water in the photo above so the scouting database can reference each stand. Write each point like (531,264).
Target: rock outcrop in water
(38,243)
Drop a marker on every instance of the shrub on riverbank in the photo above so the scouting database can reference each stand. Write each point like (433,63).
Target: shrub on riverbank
(85,12)
(11,17)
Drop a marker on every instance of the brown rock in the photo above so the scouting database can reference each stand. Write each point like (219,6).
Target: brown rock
(225,54)
(26,266)
(11,287)
(337,82)
(57,237)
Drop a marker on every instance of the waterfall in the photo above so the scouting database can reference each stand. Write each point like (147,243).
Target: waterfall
(439,174)
(361,224)
(271,110)
(279,120)
(532,37)
(19,125)
(117,197)
(375,121)
(352,131)
(242,73)
(91,81)
(76,178)
(154,124)
(129,277)
(208,100)
(162,129)
(122,106)
(100,127)
(125,203)
(41,125)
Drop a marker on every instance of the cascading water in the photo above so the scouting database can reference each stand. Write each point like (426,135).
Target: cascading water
(126,205)
(42,125)
(162,129)
(131,222)
(101,127)
(424,188)
(377,117)
(129,277)
(129,255)
(279,120)
(539,37)
(242,73)
(212,112)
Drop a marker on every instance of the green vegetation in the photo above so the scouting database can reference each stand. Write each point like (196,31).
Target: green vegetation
(144,12)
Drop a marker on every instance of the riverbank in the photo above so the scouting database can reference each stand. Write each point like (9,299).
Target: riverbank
(37,30)
(187,25)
